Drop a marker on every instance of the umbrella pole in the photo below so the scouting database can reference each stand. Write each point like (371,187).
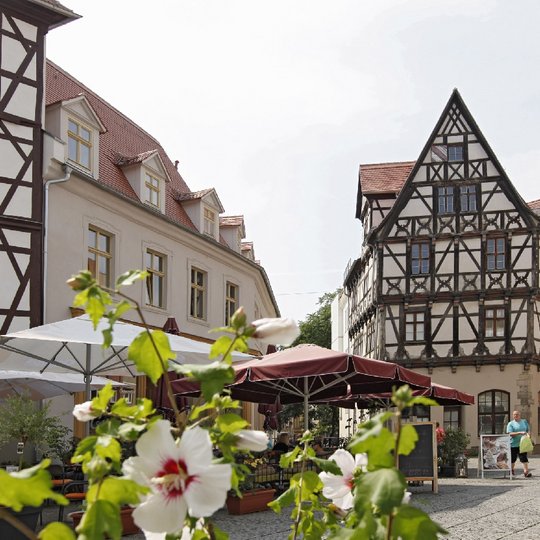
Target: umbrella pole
(306,404)
(87,380)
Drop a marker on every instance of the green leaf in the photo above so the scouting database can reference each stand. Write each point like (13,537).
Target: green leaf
(101,401)
(84,449)
(220,347)
(29,487)
(379,448)
(130,431)
(212,377)
(130,277)
(56,531)
(384,488)
(287,459)
(410,523)
(145,352)
(102,518)
(108,427)
(407,439)
(109,448)
(326,465)
(284,500)
(421,400)
(116,490)
(230,423)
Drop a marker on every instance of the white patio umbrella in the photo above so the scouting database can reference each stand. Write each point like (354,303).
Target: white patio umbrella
(74,346)
(38,385)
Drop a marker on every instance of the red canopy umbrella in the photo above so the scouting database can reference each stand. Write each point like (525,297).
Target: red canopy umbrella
(311,373)
(443,395)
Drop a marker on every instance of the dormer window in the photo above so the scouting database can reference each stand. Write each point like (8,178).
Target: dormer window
(209,222)
(79,144)
(152,190)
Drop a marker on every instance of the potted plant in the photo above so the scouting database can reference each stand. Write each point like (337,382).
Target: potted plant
(255,495)
(453,446)
(22,422)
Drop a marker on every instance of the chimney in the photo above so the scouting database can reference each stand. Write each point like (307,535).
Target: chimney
(176,164)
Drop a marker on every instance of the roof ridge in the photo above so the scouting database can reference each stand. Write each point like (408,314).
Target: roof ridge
(388,164)
(105,102)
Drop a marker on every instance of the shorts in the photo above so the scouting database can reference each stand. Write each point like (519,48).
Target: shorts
(515,453)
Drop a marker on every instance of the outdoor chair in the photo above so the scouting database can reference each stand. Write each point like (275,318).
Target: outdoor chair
(73,492)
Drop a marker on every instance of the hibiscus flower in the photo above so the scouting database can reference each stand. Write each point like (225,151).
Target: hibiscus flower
(181,476)
(339,488)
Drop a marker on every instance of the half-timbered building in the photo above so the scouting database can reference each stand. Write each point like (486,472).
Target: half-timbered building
(447,279)
(23,27)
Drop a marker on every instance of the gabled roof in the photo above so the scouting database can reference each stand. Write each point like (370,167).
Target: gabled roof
(58,14)
(449,124)
(384,177)
(231,221)
(381,178)
(123,137)
(123,161)
(199,195)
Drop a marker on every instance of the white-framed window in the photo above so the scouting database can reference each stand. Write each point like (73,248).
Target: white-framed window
(231,301)
(197,305)
(156,266)
(209,222)
(100,255)
(455,152)
(79,144)
(496,253)
(446,200)
(151,190)
(468,198)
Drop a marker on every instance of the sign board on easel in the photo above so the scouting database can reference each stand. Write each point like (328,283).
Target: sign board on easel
(421,463)
(494,454)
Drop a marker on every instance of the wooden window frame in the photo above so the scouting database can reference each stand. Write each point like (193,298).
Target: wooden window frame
(231,301)
(494,319)
(152,189)
(198,294)
(465,195)
(423,262)
(445,200)
(451,147)
(494,255)
(493,413)
(417,321)
(451,409)
(99,254)
(80,141)
(156,276)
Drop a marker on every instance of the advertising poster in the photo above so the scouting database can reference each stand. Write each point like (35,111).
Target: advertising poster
(495,453)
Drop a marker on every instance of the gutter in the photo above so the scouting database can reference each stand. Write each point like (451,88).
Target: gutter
(67,173)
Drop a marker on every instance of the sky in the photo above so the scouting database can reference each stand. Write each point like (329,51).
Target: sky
(275,104)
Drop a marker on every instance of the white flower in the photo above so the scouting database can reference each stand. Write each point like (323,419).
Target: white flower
(83,412)
(255,441)
(276,331)
(406,497)
(339,488)
(181,476)
(187,533)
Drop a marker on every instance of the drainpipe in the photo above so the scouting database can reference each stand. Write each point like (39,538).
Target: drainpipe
(67,173)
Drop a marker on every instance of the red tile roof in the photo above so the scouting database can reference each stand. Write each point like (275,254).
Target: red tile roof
(534,205)
(192,195)
(123,161)
(123,137)
(384,177)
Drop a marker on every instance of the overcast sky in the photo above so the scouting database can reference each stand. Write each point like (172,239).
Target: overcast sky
(275,104)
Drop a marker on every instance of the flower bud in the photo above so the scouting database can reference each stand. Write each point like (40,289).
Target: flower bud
(83,412)
(276,331)
(255,441)
(238,320)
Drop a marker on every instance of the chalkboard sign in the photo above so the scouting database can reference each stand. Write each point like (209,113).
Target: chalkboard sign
(421,463)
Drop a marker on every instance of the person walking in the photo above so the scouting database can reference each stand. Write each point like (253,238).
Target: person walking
(517,428)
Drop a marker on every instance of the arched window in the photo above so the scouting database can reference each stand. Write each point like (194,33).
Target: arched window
(493,411)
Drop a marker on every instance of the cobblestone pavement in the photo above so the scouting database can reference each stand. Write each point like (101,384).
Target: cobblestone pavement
(468,508)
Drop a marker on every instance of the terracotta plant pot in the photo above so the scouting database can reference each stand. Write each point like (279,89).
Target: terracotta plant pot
(252,501)
(128,525)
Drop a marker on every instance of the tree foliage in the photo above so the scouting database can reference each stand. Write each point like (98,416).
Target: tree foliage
(316,329)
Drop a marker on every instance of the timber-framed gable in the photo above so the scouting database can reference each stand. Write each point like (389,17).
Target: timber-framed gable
(453,262)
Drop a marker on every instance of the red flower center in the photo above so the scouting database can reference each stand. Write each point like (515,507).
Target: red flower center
(173,479)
